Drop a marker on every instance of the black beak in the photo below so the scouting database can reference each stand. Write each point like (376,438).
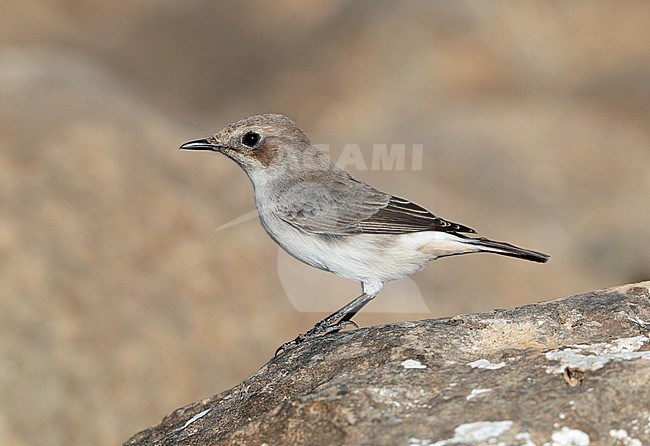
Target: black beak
(202,144)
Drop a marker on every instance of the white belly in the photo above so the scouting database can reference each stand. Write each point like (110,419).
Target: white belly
(363,257)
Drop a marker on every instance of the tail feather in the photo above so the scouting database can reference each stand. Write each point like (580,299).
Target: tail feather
(507,249)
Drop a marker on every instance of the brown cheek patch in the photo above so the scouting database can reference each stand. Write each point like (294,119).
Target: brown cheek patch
(267,153)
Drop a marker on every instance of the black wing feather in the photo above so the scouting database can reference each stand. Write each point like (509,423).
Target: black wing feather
(401,216)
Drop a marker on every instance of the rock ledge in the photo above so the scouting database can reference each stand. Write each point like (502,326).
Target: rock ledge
(572,371)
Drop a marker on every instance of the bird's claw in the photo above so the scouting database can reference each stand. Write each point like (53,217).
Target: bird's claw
(290,344)
(339,326)
(318,330)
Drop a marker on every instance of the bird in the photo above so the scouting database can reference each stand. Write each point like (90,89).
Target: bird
(326,218)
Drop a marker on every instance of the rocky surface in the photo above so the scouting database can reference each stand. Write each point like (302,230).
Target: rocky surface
(572,371)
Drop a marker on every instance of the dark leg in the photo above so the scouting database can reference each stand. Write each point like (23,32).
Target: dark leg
(332,323)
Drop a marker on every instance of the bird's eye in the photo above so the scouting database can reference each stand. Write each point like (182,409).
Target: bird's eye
(250,139)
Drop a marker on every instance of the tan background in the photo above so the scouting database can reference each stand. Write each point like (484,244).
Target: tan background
(118,300)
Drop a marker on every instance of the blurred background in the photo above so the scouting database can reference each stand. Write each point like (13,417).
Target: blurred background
(119,301)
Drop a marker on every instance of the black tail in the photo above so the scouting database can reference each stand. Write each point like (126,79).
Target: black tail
(506,249)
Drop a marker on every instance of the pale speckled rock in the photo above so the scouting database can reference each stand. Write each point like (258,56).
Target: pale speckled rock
(569,371)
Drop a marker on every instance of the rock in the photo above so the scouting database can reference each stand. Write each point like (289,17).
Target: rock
(572,371)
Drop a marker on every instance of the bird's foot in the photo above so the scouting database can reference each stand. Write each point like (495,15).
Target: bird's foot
(320,329)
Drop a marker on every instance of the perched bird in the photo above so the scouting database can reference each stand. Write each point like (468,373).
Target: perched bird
(328,219)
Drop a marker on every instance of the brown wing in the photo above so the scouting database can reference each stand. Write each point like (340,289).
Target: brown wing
(342,205)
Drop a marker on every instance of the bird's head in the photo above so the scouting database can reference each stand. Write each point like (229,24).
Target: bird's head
(263,143)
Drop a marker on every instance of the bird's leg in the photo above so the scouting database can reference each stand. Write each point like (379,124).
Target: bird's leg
(343,316)
(332,323)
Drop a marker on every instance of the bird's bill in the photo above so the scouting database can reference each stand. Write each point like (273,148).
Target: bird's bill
(202,144)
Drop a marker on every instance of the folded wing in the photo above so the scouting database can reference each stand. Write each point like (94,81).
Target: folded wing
(401,216)
(345,206)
